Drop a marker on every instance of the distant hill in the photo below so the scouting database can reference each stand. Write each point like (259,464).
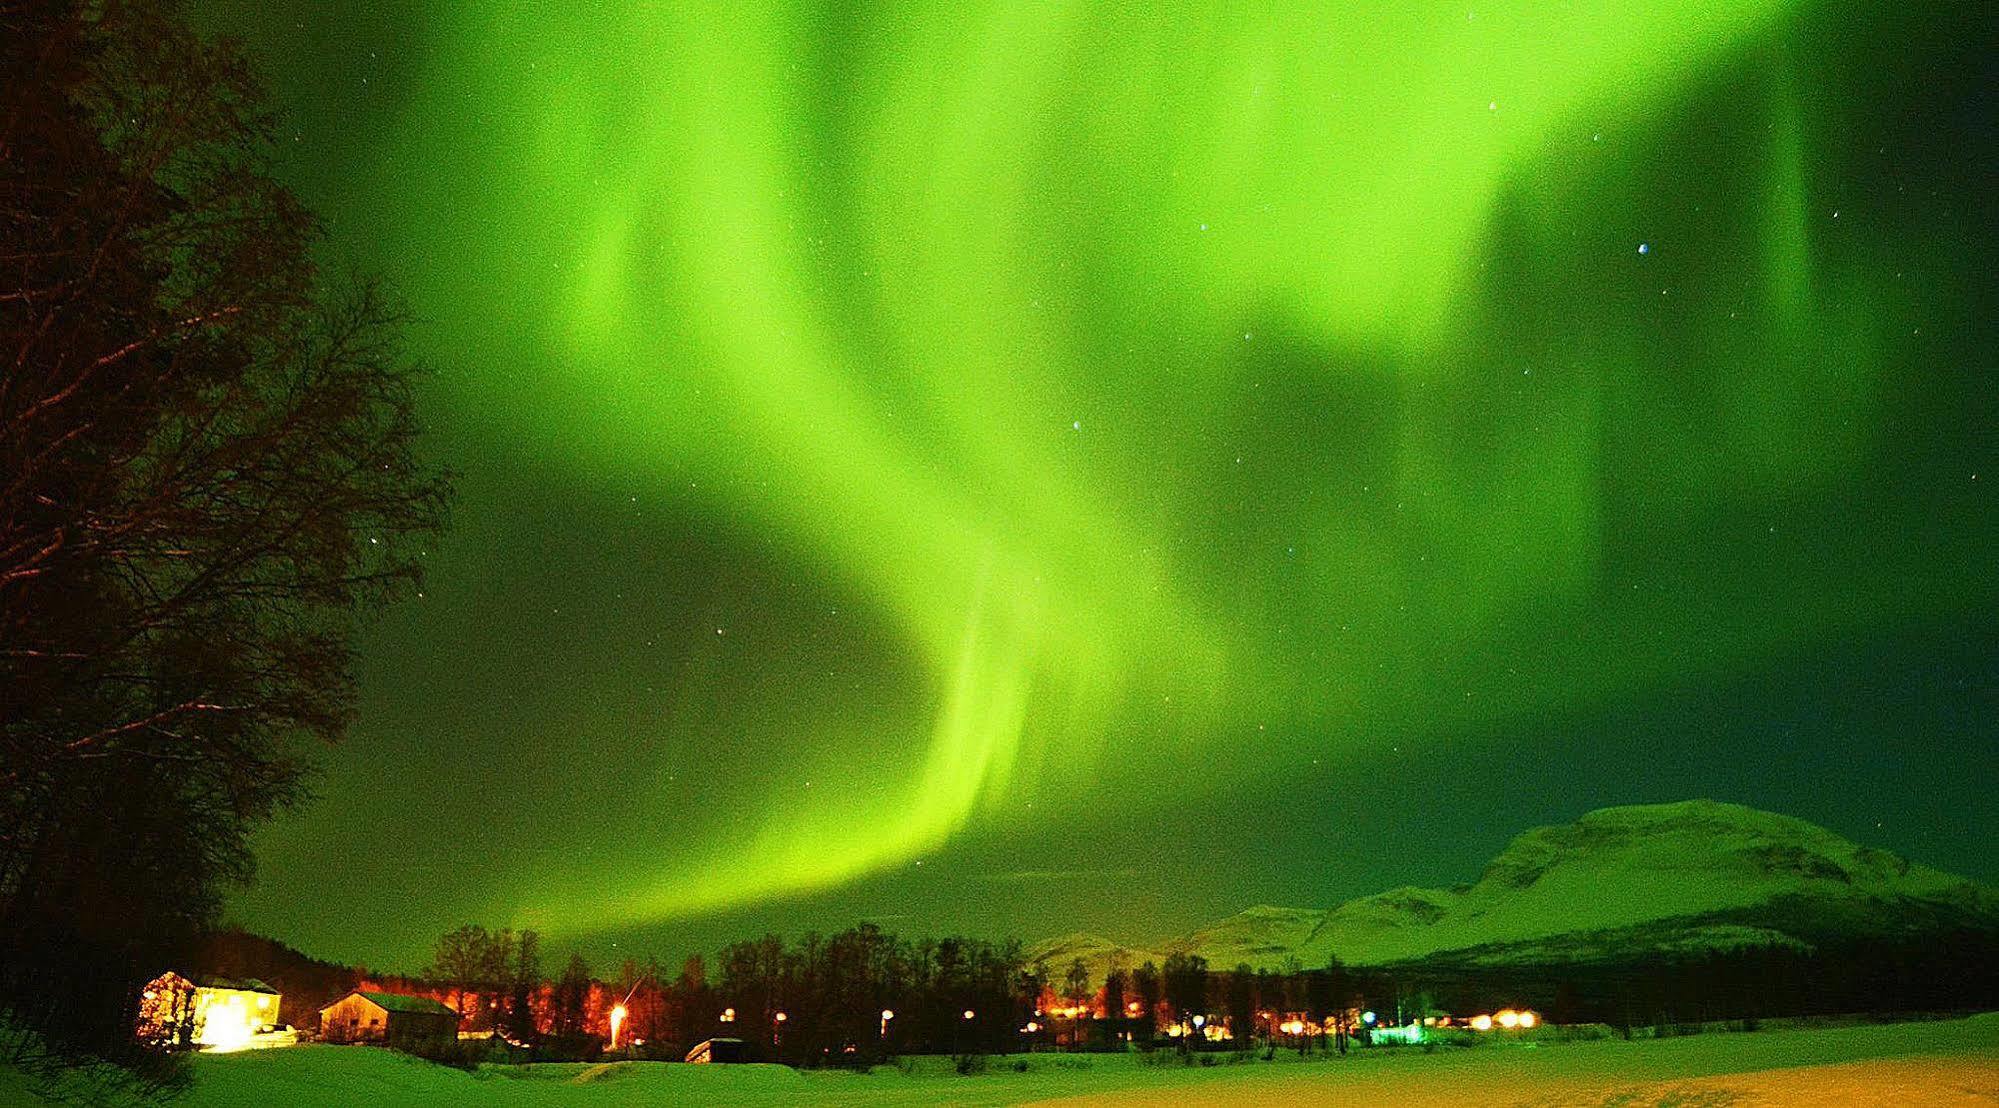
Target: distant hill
(306,984)
(1691,877)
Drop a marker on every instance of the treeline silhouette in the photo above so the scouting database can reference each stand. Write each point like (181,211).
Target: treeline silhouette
(1950,969)
(832,993)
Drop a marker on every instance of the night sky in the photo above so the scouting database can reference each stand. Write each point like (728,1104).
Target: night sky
(1020,468)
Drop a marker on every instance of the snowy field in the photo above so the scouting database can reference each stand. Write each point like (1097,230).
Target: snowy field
(1950,1062)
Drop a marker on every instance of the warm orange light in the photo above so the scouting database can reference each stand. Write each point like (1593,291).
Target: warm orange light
(1481,1023)
(728,1015)
(1529,1019)
(780,1017)
(1508,1018)
(617,1022)
(1132,1007)
(968,1013)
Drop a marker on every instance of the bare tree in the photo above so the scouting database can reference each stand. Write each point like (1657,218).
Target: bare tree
(1076,990)
(207,475)
(471,959)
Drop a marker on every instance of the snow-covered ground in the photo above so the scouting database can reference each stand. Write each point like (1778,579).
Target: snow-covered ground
(1948,1062)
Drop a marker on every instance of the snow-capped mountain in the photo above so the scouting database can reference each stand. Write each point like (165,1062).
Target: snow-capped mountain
(1696,875)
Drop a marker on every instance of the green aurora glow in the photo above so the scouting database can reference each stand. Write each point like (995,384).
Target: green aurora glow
(997,413)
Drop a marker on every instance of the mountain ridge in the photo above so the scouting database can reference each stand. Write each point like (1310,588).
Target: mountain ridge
(1684,877)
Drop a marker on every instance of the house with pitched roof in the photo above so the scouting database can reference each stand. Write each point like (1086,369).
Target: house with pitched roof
(394,1019)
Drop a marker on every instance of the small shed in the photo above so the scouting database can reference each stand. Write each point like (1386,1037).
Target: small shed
(718,1050)
(391,1018)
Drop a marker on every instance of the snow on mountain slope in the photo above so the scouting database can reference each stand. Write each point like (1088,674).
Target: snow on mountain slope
(1255,935)
(1690,875)
(1621,867)
(1097,953)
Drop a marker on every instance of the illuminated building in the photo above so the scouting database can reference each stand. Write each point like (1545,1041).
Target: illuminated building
(391,1018)
(216,1013)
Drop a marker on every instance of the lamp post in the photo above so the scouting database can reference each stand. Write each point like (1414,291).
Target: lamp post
(619,1012)
(887,1015)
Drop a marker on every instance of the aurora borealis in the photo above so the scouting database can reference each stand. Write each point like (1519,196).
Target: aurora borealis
(1014,465)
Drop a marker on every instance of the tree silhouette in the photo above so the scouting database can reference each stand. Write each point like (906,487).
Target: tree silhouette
(207,475)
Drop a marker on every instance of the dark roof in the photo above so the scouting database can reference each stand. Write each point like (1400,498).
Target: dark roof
(397,1002)
(242,984)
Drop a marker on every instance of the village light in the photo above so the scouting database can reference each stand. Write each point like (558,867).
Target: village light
(728,1015)
(1367,1017)
(1481,1023)
(1529,1019)
(1508,1018)
(226,1026)
(968,1013)
(780,1017)
(1031,1027)
(1132,1007)
(617,1022)
(887,1015)
(1199,1020)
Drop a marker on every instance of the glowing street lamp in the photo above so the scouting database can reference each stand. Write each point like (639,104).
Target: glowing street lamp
(968,1013)
(1529,1019)
(887,1015)
(728,1015)
(1481,1023)
(617,1022)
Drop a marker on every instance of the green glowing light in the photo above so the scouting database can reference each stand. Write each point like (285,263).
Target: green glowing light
(1153,386)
